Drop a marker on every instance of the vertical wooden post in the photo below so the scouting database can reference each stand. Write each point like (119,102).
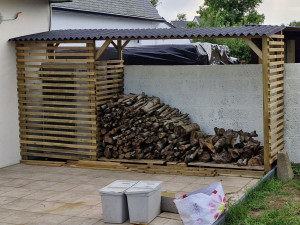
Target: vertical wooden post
(21,91)
(92,97)
(120,50)
(265,63)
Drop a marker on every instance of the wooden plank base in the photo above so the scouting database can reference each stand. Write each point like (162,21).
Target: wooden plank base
(157,167)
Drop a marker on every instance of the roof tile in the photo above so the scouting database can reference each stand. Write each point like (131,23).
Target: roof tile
(131,8)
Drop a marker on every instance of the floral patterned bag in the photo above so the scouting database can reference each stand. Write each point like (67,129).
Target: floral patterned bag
(202,207)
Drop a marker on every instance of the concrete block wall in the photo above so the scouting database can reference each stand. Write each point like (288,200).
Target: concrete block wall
(220,96)
(292,111)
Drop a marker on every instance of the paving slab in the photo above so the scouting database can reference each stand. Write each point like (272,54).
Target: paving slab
(62,195)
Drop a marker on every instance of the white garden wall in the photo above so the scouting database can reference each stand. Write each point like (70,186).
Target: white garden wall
(223,96)
(35,17)
(292,111)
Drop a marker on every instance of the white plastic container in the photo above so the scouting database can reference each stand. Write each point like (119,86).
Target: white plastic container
(144,200)
(114,201)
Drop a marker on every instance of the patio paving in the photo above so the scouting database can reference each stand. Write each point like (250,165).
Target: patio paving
(62,195)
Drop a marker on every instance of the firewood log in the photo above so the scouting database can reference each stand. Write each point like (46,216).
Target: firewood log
(222,157)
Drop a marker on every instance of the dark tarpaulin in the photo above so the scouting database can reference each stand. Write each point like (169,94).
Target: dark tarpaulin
(161,55)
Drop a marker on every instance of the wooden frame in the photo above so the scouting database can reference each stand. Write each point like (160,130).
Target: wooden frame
(94,82)
(57,100)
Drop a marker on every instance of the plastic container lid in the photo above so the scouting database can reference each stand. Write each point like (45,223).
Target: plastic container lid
(117,187)
(144,187)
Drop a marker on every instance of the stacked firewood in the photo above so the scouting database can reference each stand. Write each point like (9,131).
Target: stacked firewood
(140,127)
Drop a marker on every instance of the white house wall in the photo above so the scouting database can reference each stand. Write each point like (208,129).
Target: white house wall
(220,96)
(71,20)
(35,17)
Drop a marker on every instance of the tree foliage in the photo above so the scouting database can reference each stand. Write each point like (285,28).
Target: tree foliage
(295,23)
(181,17)
(155,3)
(216,13)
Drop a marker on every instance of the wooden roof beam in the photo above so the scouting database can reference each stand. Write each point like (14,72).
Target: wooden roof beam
(102,49)
(253,47)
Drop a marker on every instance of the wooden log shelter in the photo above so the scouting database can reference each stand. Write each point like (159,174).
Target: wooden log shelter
(62,82)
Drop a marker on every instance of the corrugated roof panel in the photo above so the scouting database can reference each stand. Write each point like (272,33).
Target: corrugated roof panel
(103,34)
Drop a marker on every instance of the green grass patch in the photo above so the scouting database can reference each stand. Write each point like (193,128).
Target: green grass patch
(296,168)
(274,202)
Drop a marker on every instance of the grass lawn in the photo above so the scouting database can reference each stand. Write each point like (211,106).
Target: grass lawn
(273,202)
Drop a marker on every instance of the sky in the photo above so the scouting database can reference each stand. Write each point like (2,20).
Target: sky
(277,12)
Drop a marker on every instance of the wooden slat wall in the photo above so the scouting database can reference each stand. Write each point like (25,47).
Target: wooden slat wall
(110,79)
(273,72)
(57,100)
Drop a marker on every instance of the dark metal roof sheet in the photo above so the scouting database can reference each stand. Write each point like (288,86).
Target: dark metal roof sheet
(173,33)
(133,8)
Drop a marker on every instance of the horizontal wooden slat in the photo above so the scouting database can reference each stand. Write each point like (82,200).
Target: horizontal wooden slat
(57,79)
(63,133)
(277,136)
(54,85)
(44,137)
(278,142)
(75,115)
(109,91)
(109,62)
(115,76)
(56,150)
(276,63)
(272,160)
(277,130)
(58,127)
(276,50)
(280,36)
(276,150)
(109,71)
(275,117)
(280,43)
(29,119)
(47,108)
(277,103)
(57,103)
(101,102)
(276,96)
(56,60)
(48,72)
(108,67)
(38,89)
(56,66)
(278,76)
(109,81)
(109,86)
(276,83)
(276,110)
(54,97)
(275,90)
(276,70)
(43,143)
(270,57)
(277,123)
(72,54)
(34,48)
(105,97)
(44,155)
